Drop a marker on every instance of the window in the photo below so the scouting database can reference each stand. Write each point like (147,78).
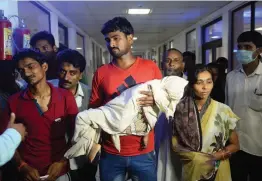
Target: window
(63,35)
(160,57)
(191,41)
(93,56)
(212,41)
(36,17)
(258,17)
(171,44)
(80,44)
(98,58)
(213,31)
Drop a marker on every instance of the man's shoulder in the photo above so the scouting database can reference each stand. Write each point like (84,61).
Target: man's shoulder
(233,74)
(16,96)
(85,88)
(103,68)
(148,62)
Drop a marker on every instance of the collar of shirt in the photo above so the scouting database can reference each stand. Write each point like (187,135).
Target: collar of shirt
(55,95)
(79,91)
(258,70)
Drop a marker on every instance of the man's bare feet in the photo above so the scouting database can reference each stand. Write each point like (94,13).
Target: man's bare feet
(94,151)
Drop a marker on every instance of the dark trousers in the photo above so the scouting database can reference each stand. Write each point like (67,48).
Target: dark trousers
(244,166)
(86,173)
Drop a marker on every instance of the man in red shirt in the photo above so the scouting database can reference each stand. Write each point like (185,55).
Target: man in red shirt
(48,114)
(109,81)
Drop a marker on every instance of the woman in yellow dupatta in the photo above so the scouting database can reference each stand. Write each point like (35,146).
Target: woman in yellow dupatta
(204,131)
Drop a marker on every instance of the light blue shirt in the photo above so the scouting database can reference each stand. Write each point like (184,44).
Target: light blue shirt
(9,141)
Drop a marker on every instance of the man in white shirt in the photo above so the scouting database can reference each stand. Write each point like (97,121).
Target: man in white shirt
(71,66)
(244,96)
(169,167)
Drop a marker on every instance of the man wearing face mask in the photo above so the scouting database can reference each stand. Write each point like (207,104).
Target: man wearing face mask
(244,96)
(44,42)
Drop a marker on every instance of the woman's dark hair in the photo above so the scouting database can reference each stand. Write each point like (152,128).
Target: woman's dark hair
(199,68)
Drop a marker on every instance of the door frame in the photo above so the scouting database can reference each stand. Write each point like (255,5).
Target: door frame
(211,46)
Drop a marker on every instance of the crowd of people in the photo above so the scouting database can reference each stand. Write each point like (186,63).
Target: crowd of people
(191,122)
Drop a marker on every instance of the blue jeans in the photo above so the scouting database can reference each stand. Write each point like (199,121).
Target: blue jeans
(139,168)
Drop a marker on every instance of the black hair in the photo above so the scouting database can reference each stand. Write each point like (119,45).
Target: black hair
(251,36)
(118,24)
(42,35)
(213,65)
(73,57)
(190,54)
(222,60)
(174,49)
(7,77)
(199,68)
(29,53)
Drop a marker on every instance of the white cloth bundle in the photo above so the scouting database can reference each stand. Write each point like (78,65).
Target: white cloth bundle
(123,112)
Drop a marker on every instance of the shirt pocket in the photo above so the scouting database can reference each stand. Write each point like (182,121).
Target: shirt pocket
(58,128)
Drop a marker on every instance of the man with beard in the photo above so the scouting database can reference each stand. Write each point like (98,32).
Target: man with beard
(45,43)
(48,114)
(109,81)
(174,64)
(169,167)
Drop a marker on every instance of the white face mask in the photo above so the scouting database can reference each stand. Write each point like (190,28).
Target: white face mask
(245,56)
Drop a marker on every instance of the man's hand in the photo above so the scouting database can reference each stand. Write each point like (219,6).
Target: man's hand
(148,99)
(29,173)
(55,170)
(20,128)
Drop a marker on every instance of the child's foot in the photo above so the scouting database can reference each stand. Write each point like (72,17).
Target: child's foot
(94,152)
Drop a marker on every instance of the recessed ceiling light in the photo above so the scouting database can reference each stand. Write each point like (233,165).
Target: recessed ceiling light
(259,29)
(138,11)
(79,48)
(134,38)
(215,37)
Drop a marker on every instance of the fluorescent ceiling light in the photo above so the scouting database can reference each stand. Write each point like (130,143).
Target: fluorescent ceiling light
(259,29)
(138,11)
(134,38)
(215,37)
(79,48)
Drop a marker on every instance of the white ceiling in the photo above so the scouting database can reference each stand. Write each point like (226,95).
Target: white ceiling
(166,20)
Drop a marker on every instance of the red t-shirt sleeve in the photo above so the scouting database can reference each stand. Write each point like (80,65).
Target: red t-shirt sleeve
(158,74)
(96,98)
